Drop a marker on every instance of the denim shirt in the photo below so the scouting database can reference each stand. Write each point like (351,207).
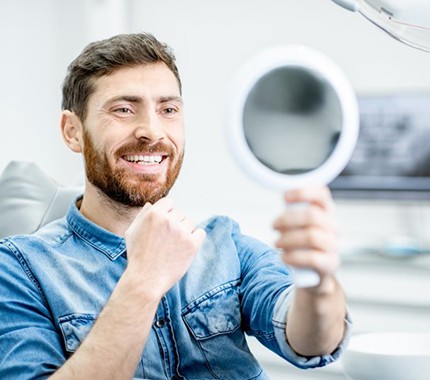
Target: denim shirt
(54,283)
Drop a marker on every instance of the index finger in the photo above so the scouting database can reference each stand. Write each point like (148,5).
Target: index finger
(163,205)
(318,195)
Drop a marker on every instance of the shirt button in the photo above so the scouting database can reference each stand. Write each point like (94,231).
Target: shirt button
(160,323)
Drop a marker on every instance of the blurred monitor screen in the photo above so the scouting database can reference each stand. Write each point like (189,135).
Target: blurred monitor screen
(392,156)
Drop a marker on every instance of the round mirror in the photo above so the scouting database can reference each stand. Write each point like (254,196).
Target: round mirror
(293,122)
(293,118)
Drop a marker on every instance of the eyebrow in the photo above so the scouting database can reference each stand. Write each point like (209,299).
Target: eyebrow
(165,99)
(138,99)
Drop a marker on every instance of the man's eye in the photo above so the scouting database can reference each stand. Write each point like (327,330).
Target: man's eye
(169,111)
(124,110)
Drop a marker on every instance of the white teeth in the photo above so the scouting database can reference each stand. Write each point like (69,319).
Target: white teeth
(144,160)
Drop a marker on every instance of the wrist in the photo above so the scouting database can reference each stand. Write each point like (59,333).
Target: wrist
(140,288)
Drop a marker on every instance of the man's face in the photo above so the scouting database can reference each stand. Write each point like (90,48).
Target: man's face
(133,135)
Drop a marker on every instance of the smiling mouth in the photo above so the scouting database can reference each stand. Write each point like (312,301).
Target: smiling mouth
(144,160)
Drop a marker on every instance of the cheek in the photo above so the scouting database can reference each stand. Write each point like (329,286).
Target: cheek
(109,144)
(111,148)
(96,150)
(178,139)
(104,133)
(181,145)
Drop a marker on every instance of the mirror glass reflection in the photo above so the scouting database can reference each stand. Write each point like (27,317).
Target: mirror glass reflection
(292,120)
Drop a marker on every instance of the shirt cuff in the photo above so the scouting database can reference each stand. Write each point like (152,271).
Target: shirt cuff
(279,323)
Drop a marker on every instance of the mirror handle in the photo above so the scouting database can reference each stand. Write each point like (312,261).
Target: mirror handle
(303,277)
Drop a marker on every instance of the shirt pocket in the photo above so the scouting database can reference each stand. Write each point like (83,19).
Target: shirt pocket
(216,312)
(75,328)
(214,320)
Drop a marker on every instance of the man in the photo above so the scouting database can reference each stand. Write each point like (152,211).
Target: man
(126,285)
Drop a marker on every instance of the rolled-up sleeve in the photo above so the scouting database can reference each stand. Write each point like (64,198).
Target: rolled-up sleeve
(279,317)
(30,344)
(267,290)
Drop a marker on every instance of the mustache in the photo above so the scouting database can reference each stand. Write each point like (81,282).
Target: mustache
(145,147)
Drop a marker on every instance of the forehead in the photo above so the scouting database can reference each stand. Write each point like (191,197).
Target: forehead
(154,79)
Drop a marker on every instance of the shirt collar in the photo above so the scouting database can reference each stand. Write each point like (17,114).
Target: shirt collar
(113,246)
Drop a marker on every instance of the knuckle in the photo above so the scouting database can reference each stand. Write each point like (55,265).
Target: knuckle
(313,237)
(314,260)
(313,214)
(152,214)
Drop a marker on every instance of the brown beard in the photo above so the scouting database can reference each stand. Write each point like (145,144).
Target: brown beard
(118,184)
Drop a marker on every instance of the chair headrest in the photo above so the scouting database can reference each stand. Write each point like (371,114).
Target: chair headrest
(30,199)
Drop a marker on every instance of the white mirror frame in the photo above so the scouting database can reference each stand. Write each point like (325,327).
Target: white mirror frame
(319,65)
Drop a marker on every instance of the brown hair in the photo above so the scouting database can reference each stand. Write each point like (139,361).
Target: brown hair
(103,57)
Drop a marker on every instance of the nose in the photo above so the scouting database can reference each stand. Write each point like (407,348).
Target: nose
(149,128)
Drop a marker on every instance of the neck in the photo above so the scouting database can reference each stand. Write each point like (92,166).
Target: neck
(105,212)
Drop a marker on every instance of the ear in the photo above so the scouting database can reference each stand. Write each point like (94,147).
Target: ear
(71,129)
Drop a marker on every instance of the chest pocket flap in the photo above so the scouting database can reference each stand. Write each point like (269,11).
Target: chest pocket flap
(216,312)
(75,328)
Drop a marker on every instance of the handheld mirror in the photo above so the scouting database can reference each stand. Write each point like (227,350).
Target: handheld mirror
(293,122)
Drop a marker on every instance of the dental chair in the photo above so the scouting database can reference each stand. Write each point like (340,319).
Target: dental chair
(29,198)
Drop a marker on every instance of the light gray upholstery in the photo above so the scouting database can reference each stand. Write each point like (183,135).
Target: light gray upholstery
(29,198)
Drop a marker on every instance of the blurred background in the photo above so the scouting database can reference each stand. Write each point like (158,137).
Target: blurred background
(383,196)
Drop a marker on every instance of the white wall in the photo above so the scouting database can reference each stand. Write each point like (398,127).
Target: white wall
(35,49)
(211,40)
(38,39)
